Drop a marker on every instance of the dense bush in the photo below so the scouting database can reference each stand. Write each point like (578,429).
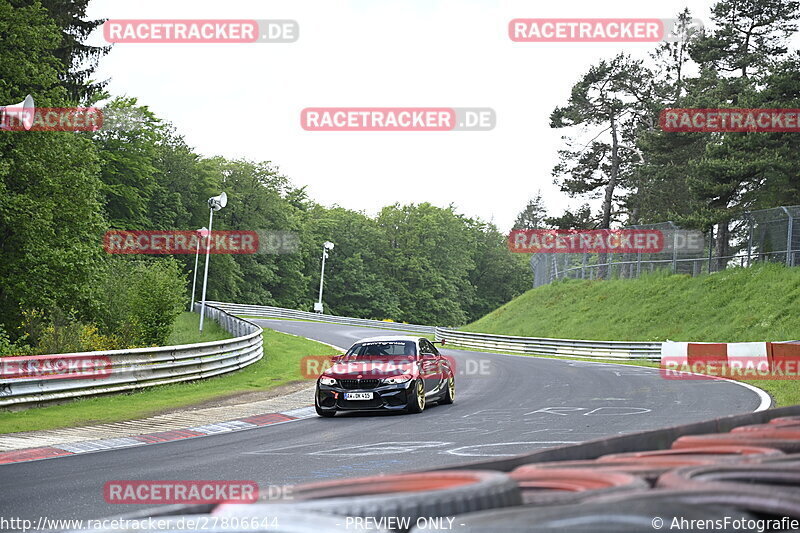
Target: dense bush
(138,300)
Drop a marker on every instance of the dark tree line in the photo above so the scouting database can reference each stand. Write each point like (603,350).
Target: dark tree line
(61,191)
(616,155)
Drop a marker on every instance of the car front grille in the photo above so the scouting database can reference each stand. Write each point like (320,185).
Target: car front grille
(360,404)
(359,383)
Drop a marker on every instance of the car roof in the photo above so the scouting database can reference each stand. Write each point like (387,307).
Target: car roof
(389,338)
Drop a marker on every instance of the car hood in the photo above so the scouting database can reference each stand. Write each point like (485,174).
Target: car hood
(370,368)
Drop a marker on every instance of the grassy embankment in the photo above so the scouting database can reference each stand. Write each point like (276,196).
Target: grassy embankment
(742,304)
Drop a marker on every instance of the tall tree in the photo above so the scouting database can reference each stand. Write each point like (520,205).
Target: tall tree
(610,96)
(533,215)
(50,216)
(128,157)
(735,61)
(580,218)
(78,59)
(748,35)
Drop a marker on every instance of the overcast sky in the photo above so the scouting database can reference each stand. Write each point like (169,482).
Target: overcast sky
(244,100)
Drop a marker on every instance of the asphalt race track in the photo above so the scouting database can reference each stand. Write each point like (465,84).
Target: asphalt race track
(504,405)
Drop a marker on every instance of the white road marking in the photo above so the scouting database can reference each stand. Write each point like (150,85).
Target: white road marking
(462,450)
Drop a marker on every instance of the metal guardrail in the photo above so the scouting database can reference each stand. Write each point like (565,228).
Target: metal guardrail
(265,311)
(650,351)
(144,367)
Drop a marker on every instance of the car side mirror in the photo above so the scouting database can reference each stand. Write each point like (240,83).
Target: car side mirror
(337,358)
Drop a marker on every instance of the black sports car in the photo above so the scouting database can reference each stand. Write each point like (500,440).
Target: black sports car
(397,373)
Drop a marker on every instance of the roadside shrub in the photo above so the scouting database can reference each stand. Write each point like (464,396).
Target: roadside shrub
(139,300)
(56,331)
(93,341)
(135,305)
(59,333)
(8,348)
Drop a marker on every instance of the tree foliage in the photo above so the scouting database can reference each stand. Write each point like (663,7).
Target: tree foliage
(742,60)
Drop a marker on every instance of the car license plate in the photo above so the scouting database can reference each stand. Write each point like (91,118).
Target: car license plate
(357,395)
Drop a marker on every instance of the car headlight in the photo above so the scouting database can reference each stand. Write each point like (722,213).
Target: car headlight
(327,381)
(397,379)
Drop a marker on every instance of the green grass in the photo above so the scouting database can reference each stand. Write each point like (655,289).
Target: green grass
(186,330)
(280,365)
(741,304)
(783,392)
(761,303)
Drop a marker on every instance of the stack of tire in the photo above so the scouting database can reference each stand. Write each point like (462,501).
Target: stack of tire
(735,480)
(739,480)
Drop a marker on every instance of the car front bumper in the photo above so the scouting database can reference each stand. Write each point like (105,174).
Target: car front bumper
(384,397)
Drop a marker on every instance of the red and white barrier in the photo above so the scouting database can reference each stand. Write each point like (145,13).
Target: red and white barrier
(767,360)
(688,355)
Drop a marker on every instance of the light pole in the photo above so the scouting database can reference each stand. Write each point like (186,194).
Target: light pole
(201,233)
(215,203)
(325,247)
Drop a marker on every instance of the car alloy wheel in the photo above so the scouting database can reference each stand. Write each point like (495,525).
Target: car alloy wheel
(416,403)
(449,394)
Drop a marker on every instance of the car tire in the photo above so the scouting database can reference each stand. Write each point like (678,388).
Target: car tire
(553,486)
(323,412)
(449,395)
(416,404)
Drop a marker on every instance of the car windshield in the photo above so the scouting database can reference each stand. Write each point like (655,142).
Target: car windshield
(383,348)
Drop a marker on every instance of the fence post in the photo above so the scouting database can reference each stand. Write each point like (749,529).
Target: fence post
(790,228)
(749,239)
(710,247)
(674,252)
(790,240)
